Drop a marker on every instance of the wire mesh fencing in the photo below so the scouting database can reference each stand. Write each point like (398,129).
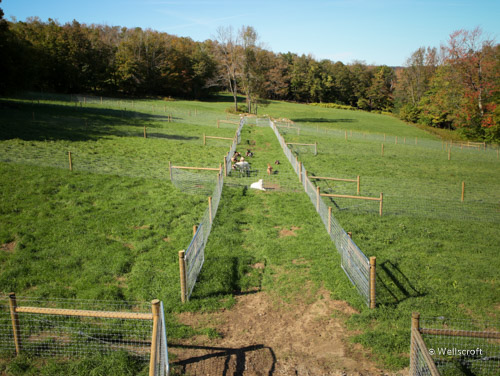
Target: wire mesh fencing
(354,262)
(469,148)
(458,347)
(70,328)
(421,363)
(462,346)
(191,260)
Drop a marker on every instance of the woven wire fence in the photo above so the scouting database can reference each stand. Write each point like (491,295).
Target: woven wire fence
(194,255)
(432,199)
(462,346)
(471,149)
(451,196)
(163,111)
(70,328)
(353,261)
(421,363)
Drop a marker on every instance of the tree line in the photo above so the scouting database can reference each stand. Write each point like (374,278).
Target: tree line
(455,87)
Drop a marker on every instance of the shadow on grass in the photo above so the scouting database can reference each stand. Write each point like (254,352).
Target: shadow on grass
(225,360)
(40,122)
(324,120)
(393,286)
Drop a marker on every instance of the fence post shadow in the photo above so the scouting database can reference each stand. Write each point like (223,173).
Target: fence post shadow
(393,286)
(210,364)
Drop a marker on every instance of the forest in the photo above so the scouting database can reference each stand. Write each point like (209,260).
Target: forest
(454,86)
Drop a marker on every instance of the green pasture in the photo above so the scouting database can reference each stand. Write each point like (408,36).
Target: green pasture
(112,227)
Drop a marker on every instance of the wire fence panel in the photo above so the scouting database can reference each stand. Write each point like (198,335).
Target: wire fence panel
(162,367)
(463,347)
(420,364)
(69,328)
(195,252)
(354,262)
(203,182)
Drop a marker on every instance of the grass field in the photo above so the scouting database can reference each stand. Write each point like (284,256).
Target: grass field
(112,227)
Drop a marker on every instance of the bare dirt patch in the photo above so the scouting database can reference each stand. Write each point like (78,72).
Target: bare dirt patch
(144,227)
(288,232)
(9,247)
(261,337)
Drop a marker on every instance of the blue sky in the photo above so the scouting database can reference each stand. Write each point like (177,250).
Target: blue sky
(379,32)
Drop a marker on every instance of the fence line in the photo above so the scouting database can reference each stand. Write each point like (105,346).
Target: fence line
(359,269)
(191,260)
(454,346)
(56,328)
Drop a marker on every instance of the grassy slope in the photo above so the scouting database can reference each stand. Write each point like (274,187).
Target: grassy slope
(90,218)
(431,259)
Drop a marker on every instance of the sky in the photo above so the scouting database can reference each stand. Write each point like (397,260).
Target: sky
(374,31)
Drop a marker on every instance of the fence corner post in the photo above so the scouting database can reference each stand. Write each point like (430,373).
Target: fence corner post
(155,308)
(182,272)
(415,320)
(15,321)
(373,275)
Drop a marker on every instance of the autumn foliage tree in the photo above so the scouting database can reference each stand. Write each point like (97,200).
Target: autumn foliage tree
(458,89)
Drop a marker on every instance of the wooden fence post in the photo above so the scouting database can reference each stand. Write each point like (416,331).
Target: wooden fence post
(204,139)
(15,322)
(359,185)
(463,191)
(382,150)
(182,273)
(373,275)
(145,135)
(170,169)
(70,161)
(349,233)
(396,140)
(225,165)
(381,203)
(217,123)
(449,153)
(155,307)
(315,148)
(415,320)
(346,135)
(195,228)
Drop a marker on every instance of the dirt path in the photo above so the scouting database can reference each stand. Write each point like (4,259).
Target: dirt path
(260,336)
